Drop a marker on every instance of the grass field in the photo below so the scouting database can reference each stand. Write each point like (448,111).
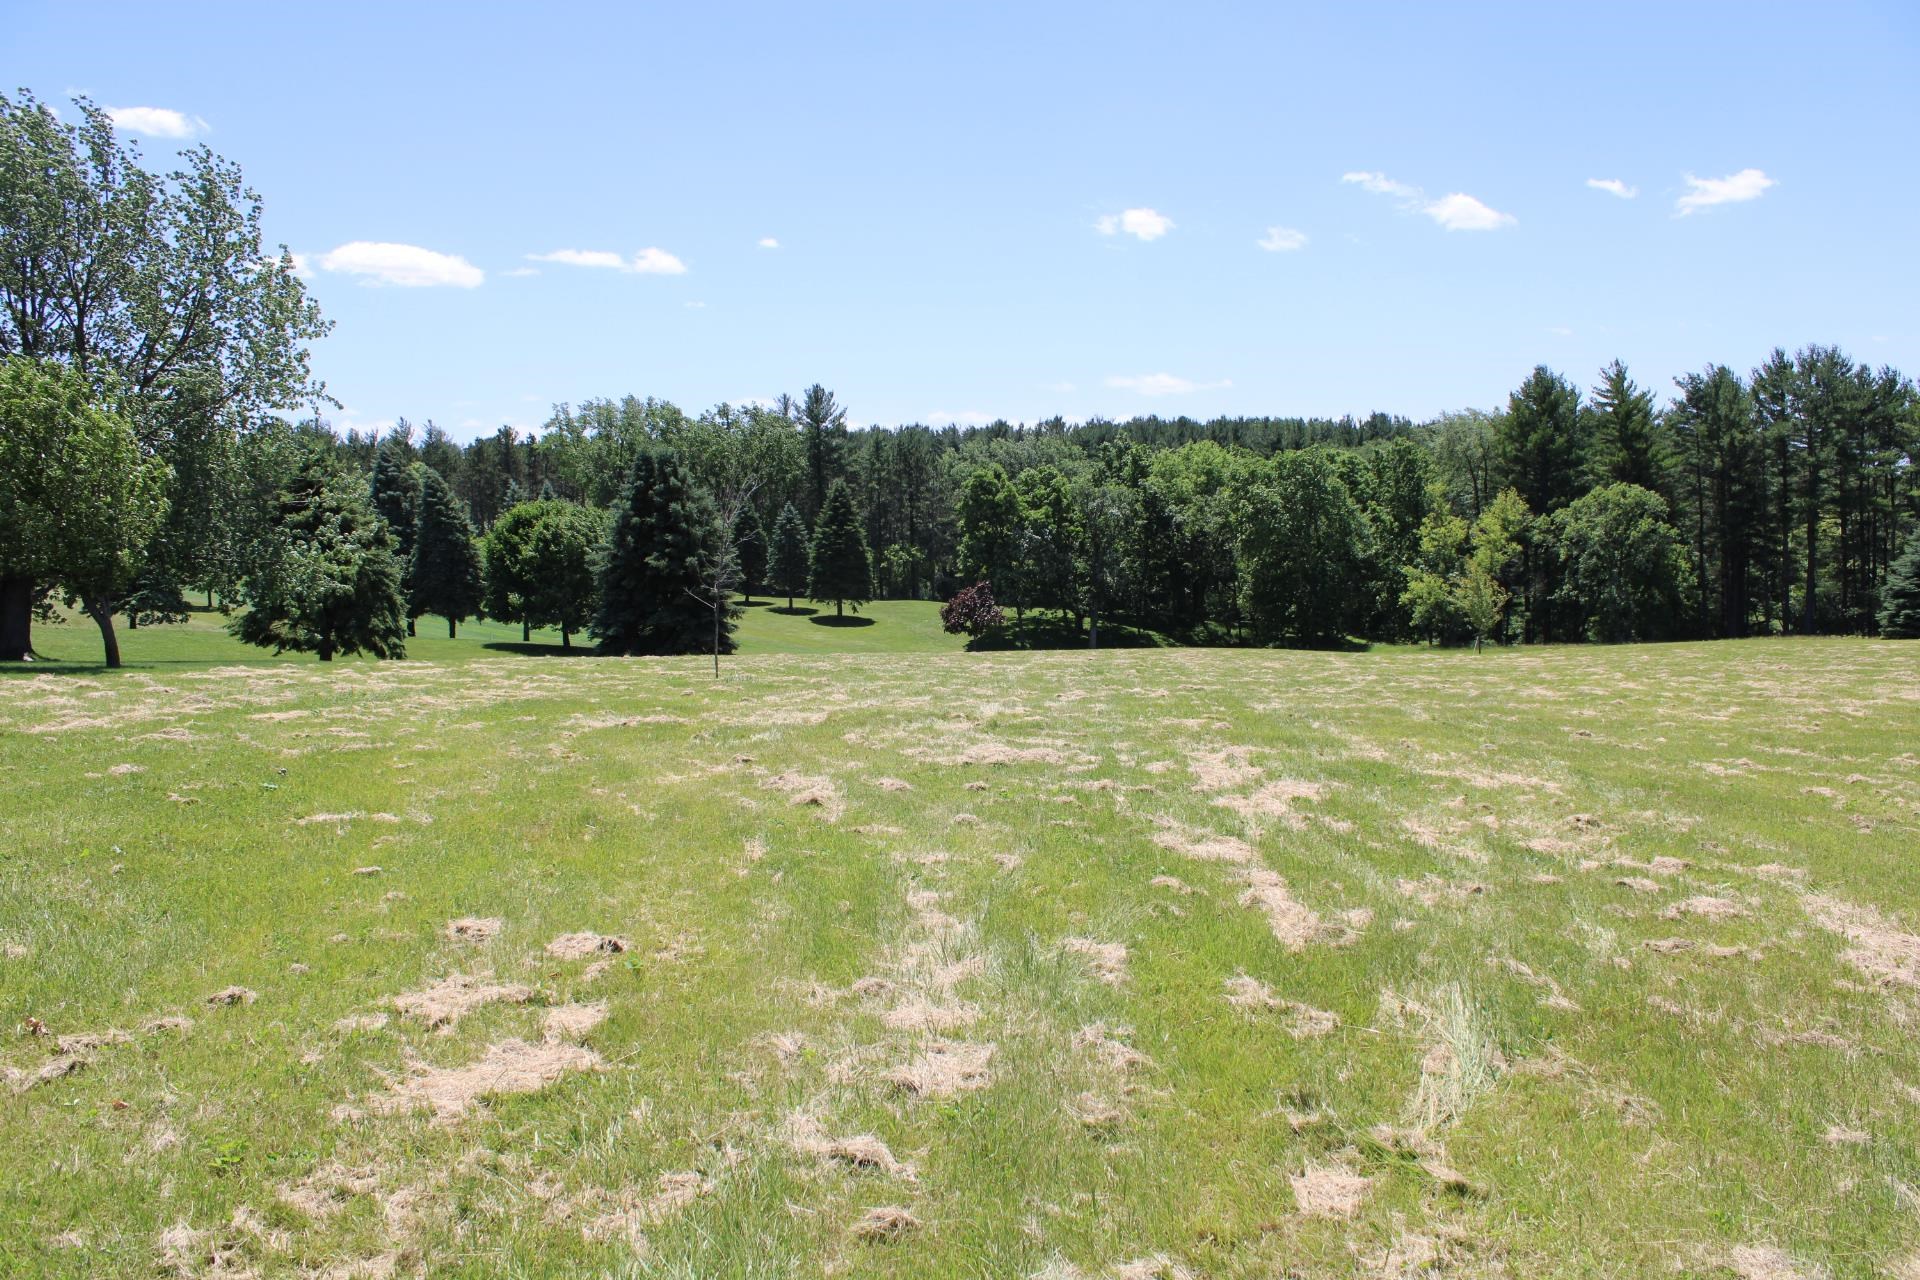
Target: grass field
(1564,962)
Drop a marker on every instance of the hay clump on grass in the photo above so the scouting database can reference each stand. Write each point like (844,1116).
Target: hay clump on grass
(444,1003)
(511,1066)
(578,946)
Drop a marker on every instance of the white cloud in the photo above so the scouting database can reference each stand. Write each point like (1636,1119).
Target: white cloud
(694,306)
(405,265)
(768,242)
(1613,187)
(658,262)
(1282,240)
(1455,212)
(1381,185)
(1459,212)
(156,122)
(1141,224)
(650,261)
(1162,384)
(1748,184)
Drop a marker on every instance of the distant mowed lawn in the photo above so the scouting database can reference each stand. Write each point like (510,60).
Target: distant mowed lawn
(879,958)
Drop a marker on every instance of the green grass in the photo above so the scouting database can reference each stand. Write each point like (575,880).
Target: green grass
(1450,833)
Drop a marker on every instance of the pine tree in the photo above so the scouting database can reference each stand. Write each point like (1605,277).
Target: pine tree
(823,425)
(1626,443)
(840,567)
(789,562)
(1900,594)
(653,585)
(328,581)
(445,576)
(396,499)
(750,545)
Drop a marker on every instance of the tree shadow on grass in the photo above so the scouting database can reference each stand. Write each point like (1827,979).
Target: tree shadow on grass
(1040,632)
(798,611)
(756,604)
(830,620)
(530,650)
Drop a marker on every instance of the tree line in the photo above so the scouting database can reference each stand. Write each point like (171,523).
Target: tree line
(153,446)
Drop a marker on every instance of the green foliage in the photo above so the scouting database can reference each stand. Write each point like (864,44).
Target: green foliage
(839,566)
(1900,595)
(79,500)
(787,568)
(663,547)
(395,489)
(989,520)
(445,576)
(1302,541)
(328,581)
(823,428)
(540,566)
(750,548)
(1625,570)
(1626,440)
(1540,441)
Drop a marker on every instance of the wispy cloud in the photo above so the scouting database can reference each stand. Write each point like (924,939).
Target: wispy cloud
(1162,384)
(1613,187)
(1282,240)
(1381,185)
(768,242)
(1455,212)
(963,418)
(1141,224)
(156,122)
(649,261)
(403,265)
(1704,193)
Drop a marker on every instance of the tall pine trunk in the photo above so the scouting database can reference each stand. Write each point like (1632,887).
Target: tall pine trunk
(453,629)
(16,619)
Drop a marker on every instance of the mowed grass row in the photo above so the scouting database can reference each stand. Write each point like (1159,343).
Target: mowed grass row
(1547,963)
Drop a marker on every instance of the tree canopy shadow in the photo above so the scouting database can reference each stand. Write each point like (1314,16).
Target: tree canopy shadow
(1039,631)
(832,620)
(530,650)
(798,611)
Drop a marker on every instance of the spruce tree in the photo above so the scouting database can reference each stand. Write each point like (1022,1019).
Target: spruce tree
(396,499)
(750,547)
(327,581)
(1900,594)
(789,562)
(445,576)
(840,567)
(654,590)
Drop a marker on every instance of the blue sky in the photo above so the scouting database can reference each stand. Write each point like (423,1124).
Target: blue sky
(978,210)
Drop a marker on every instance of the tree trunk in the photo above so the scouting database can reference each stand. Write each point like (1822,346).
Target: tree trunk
(16,619)
(410,631)
(566,638)
(526,632)
(326,648)
(453,629)
(101,612)
(839,609)
(789,604)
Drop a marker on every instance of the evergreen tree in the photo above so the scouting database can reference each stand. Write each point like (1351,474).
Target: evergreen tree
(1626,443)
(788,569)
(823,425)
(327,581)
(839,566)
(654,581)
(445,576)
(750,549)
(1900,594)
(1539,441)
(540,573)
(396,499)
